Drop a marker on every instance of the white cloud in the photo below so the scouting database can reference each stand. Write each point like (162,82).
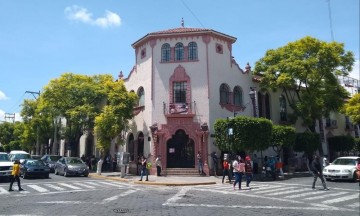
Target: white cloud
(3,96)
(81,14)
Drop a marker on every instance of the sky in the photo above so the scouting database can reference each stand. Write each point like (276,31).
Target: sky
(42,39)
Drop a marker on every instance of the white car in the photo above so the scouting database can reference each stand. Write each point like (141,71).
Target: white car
(6,165)
(341,168)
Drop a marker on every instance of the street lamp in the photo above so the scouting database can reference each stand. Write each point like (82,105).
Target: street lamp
(252,95)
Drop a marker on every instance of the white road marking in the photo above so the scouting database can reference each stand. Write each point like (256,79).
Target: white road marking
(342,199)
(70,186)
(84,185)
(290,191)
(94,183)
(3,191)
(177,196)
(38,188)
(272,190)
(354,205)
(118,196)
(326,195)
(305,194)
(112,184)
(54,187)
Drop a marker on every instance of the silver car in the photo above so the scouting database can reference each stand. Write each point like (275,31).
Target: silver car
(71,166)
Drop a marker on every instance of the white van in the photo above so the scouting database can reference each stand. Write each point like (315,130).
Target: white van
(6,165)
(19,155)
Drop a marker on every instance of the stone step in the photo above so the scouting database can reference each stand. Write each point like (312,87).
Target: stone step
(182,171)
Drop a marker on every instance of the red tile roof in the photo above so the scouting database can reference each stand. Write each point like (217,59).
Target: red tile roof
(179,30)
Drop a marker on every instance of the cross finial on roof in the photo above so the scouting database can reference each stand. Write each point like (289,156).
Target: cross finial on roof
(182,22)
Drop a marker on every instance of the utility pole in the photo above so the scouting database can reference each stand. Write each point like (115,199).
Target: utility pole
(37,127)
(330,18)
(10,116)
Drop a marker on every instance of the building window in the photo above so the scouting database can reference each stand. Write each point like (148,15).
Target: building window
(141,96)
(179,91)
(224,94)
(143,53)
(192,51)
(179,52)
(238,101)
(219,48)
(165,53)
(283,109)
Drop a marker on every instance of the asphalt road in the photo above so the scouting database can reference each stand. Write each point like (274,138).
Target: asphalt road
(86,196)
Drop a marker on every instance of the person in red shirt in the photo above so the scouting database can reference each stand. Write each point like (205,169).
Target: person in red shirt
(226,170)
(248,171)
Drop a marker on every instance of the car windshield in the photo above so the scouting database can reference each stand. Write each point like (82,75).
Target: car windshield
(21,156)
(4,157)
(54,158)
(345,161)
(35,163)
(74,160)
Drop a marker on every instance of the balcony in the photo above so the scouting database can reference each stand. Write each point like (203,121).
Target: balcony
(179,109)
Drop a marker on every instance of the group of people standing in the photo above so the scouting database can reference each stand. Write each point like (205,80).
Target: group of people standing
(144,166)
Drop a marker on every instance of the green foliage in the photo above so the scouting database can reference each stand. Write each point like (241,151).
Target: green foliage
(305,71)
(282,136)
(6,133)
(341,143)
(307,142)
(357,145)
(2,149)
(352,109)
(249,134)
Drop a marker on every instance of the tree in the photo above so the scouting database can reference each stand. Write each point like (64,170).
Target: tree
(249,134)
(307,142)
(306,72)
(115,115)
(282,136)
(341,143)
(352,109)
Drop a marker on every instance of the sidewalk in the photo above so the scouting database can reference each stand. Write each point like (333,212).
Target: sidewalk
(180,180)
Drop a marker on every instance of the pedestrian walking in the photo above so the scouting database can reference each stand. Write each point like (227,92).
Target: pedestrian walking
(200,163)
(236,171)
(317,171)
(358,170)
(15,175)
(158,165)
(114,163)
(226,170)
(215,162)
(144,170)
(248,171)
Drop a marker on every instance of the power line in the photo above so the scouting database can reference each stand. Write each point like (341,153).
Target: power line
(331,27)
(187,7)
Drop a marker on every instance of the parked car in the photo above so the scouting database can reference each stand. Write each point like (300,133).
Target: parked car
(5,165)
(341,168)
(19,155)
(36,157)
(34,168)
(50,161)
(71,166)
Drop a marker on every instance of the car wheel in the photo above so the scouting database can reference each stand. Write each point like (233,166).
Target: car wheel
(46,175)
(86,175)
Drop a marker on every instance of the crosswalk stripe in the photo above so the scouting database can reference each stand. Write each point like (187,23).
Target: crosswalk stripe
(84,185)
(290,191)
(272,189)
(69,186)
(354,205)
(3,191)
(38,188)
(54,187)
(325,196)
(94,183)
(342,199)
(112,184)
(305,194)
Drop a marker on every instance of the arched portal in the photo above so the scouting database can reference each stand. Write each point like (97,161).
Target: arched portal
(180,151)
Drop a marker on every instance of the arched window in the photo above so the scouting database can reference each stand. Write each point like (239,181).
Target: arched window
(192,51)
(224,94)
(283,110)
(141,96)
(179,52)
(179,92)
(238,101)
(165,52)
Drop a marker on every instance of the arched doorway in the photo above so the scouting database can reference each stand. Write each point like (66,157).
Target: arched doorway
(131,149)
(140,147)
(180,151)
